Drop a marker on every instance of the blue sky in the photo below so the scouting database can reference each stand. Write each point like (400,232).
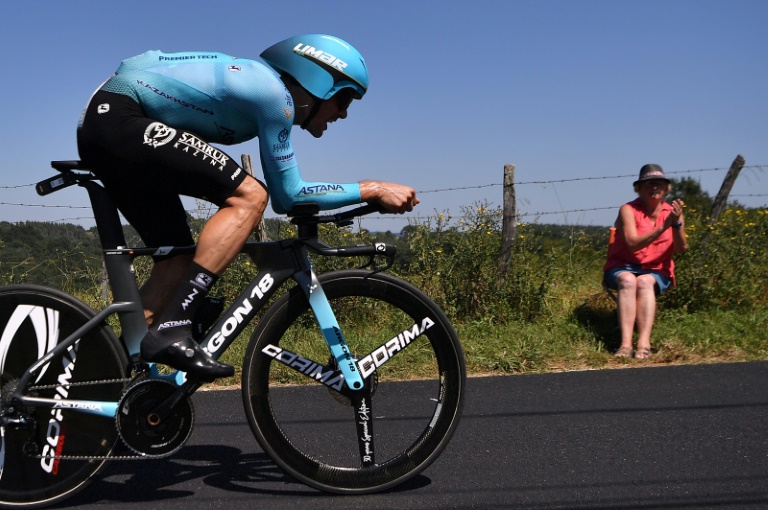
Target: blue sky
(563,89)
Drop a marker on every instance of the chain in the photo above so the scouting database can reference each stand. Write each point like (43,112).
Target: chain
(89,457)
(93,457)
(83,383)
(101,457)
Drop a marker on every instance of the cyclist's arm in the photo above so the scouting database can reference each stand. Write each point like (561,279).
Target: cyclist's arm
(274,110)
(287,188)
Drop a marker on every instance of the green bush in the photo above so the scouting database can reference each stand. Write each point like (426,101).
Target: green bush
(726,266)
(547,311)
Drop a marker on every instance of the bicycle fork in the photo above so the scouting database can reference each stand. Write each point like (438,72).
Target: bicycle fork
(329,326)
(347,364)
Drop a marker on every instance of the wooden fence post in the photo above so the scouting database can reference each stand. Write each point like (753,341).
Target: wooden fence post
(721,200)
(725,189)
(261,228)
(104,284)
(509,223)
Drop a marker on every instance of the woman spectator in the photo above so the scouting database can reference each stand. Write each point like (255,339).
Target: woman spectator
(639,264)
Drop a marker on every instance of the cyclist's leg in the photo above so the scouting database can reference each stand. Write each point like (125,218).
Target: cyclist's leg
(128,149)
(227,230)
(112,144)
(164,278)
(155,202)
(220,241)
(138,157)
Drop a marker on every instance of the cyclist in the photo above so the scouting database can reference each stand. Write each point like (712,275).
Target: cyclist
(146,133)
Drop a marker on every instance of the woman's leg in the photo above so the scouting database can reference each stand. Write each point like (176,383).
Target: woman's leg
(646,310)
(626,297)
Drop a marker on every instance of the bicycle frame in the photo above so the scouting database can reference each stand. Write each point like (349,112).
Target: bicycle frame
(278,261)
(292,262)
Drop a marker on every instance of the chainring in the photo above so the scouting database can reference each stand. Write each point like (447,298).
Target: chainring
(143,430)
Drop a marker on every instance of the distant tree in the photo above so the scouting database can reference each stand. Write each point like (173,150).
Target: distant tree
(49,253)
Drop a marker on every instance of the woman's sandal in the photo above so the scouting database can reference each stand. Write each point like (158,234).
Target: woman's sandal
(624,352)
(643,353)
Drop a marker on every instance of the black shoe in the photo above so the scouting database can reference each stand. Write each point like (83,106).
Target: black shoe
(187,356)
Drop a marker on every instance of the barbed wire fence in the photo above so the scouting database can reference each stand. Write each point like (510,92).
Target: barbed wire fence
(417,217)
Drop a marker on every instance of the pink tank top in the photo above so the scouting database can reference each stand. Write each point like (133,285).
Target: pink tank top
(656,256)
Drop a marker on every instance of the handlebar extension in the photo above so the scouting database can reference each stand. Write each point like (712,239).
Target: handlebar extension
(308,214)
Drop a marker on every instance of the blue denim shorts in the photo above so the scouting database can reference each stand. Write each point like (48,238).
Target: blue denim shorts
(662,282)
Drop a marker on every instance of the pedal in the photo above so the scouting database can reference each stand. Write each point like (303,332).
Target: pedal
(137,367)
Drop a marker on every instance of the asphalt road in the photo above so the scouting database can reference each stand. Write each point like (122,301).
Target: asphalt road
(690,437)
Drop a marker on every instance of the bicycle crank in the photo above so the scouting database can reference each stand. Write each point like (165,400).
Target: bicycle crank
(144,430)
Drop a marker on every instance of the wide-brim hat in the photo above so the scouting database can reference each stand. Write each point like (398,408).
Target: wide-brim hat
(650,172)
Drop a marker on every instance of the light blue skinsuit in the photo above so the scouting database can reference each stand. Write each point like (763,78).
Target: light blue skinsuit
(227,100)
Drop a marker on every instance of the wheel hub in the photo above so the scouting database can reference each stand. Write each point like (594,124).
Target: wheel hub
(371,383)
(13,415)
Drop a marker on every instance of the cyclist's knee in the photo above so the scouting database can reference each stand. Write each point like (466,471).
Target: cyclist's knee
(250,197)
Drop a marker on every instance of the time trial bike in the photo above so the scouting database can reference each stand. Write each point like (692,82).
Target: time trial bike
(358,350)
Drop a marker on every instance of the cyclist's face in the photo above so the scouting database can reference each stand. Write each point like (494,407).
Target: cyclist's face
(331,110)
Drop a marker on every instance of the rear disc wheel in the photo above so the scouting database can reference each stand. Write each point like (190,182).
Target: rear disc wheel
(33,320)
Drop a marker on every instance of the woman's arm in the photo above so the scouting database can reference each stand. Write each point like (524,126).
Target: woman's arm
(636,241)
(680,241)
(627,228)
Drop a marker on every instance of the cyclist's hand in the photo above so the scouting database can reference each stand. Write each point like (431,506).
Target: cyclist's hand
(393,197)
